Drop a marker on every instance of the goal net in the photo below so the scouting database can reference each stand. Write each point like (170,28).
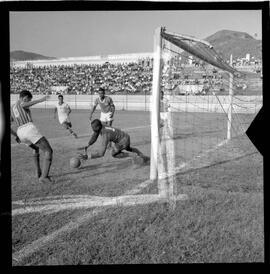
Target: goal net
(200,112)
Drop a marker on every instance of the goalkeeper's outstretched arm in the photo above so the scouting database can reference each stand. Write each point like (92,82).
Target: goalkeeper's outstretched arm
(97,154)
(92,140)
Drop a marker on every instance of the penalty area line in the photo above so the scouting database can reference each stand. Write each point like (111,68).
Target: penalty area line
(39,243)
(126,200)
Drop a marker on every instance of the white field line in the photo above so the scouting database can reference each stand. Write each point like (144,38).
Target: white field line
(84,135)
(125,200)
(53,204)
(114,201)
(93,201)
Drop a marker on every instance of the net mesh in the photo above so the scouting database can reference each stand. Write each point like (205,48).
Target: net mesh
(195,86)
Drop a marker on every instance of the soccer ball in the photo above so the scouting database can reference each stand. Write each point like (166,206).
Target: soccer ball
(75,162)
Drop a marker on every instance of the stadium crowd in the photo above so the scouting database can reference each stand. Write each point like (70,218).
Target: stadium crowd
(119,78)
(83,79)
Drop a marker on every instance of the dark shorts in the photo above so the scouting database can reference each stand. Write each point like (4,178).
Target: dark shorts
(124,143)
(66,125)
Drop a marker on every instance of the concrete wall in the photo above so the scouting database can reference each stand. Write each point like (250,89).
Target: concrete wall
(242,104)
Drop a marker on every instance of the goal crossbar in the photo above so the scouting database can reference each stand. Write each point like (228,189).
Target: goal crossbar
(208,55)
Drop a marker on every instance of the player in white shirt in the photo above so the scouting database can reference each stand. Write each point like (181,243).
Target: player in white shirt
(107,109)
(106,106)
(63,110)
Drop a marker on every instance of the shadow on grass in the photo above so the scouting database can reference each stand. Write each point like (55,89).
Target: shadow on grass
(83,136)
(195,134)
(99,168)
(217,163)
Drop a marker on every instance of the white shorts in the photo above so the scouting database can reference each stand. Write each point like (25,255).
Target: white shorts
(63,120)
(28,134)
(106,117)
(163,115)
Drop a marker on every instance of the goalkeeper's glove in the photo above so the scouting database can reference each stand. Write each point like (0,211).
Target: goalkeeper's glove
(83,156)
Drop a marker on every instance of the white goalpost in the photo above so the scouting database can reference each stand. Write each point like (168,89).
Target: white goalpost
(229,125)
(155,105)
(201,115)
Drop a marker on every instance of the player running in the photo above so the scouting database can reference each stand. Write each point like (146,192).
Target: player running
(63,110)
(27,133)
(108,134)
(107,107)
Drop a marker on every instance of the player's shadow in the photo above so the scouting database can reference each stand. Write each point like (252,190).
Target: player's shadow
(79,170)
(114,167)
(194,134)
(98,169)
(82,136)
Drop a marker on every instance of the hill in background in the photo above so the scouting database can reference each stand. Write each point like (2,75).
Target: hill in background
(20,55)
(227,42)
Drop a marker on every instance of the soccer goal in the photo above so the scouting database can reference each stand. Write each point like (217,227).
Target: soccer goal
(196,111)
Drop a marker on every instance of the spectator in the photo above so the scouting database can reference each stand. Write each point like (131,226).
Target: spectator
(82,79)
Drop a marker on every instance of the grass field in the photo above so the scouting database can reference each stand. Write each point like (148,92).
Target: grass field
(77,221)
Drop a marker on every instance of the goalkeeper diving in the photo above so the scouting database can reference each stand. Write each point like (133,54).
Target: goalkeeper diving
(119,138)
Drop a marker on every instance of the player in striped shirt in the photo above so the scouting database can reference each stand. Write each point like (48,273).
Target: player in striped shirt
(107,107)
(27,133)
(108,134)
(63,110)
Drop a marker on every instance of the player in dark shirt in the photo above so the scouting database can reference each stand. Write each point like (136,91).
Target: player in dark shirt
(108,134)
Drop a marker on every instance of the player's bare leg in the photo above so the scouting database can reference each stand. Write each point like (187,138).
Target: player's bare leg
(140,159)
(141,156)
(72,132)
(135,150)
(44,145)
(36,157)
(116,153)
(67,126)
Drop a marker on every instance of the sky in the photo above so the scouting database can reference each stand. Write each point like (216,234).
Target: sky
(87,33)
